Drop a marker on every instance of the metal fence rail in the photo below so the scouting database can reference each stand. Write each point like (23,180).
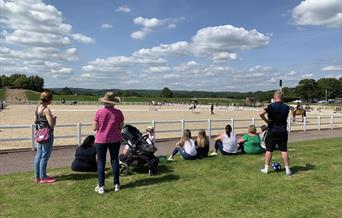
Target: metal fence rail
(319,122)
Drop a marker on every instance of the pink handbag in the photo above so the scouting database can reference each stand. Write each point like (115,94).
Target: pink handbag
(42,135)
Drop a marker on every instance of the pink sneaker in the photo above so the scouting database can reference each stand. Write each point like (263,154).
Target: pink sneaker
(47,181)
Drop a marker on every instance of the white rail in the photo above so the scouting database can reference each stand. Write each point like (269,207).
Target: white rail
(316,122)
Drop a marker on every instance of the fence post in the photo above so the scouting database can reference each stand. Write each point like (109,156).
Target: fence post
(319,123)
(253,121)
(209,128)
(331,122)
(79,134)
(304,124)
(182,126)
(154,127)
(289,124)
(232,124)
(33,128)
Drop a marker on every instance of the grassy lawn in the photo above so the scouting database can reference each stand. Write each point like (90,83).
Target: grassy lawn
(212,187)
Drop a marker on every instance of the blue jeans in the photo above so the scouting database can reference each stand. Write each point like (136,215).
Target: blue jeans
(42,157)
(183,153)
(219,146)
(101,150)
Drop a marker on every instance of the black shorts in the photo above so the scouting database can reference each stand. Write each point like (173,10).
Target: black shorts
(276,138)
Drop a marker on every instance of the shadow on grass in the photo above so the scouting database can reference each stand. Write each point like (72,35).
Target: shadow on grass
(151,181)
(307,167)
(161,169)
(77,176)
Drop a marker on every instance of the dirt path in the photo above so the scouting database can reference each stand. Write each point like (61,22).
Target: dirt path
(16,96)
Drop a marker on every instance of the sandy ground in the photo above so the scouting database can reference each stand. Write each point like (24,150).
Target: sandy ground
(69,114)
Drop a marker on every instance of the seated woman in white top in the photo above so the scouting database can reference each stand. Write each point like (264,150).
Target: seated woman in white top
(186,147)
(226,143)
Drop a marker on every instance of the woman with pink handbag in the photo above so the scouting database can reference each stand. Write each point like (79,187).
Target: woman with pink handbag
(45,123)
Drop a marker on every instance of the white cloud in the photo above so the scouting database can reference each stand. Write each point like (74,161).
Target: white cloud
(292,73)
(35,39)
(326,13)
(138,34)
(177,48)
(147,23)
(219,41)
(159,69)
(123,8)
(224,56)
(106,26)
(83,38)
(332,68)
(307,75)
(150,25)
(216,45)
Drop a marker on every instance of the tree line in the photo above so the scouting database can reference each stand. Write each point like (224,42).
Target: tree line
(22,81)
(309,89)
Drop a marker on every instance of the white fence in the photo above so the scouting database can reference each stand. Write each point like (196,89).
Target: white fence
(318,123)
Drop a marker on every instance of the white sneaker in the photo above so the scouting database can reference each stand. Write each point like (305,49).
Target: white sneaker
(288,172)
(99,189)
(116,188)
(213,154)
(170,158)
(264,171)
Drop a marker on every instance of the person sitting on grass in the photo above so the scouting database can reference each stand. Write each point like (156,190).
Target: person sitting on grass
(85,156)
(250,142)
(202,144)
(186,147)
(226,143)
(263,135)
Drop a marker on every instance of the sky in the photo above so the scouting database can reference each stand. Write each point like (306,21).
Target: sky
(216,45)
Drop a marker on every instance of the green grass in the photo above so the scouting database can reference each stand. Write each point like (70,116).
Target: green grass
(213,187)
(32,95)
(2,93)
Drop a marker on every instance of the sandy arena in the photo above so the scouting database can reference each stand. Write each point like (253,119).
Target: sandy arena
(69,114)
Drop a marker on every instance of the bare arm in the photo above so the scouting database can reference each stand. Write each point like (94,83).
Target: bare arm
(241,140)
(218,138)
(263,116)
(121,126)
(95,125)
(180,143)
(50,118)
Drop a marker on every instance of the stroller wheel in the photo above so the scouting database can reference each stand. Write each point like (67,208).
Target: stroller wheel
(123,169)
(151,172)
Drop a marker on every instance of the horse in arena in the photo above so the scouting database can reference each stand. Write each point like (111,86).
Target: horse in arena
(298,112)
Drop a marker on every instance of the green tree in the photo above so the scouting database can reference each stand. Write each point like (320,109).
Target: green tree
(166,93)
(36,83)
(66,91)
(21,82)
(332,86)
(307,89)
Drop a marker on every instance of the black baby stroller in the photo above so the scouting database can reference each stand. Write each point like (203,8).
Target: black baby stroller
(140,151)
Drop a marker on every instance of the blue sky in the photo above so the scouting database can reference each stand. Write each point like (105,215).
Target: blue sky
(187,45)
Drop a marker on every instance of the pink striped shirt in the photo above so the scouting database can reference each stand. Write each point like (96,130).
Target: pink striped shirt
(109,120)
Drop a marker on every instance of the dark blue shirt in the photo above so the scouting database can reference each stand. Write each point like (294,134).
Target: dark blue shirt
(277,114)
(85,159)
